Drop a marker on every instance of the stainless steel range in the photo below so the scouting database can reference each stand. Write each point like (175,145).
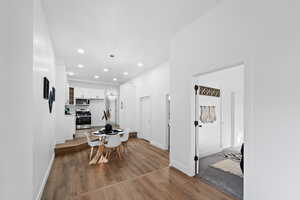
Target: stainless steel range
(83,119)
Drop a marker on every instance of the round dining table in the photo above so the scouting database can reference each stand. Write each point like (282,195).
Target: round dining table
(100,156)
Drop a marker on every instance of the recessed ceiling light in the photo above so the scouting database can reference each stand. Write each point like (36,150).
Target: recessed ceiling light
(80,66)
(81,51)
(125,73)
(112,55)
(105,69)
(115,79)
(71,73)
(96,76)
(140,64)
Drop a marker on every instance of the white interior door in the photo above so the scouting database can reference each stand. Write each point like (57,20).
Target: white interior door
(145,132)
(97,106)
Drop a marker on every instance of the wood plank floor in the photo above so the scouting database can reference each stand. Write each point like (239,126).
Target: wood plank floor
(143,174)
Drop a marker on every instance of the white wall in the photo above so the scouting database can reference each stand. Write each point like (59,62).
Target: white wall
(219,135)
(155,84)
(64,124)
(263,35)
(128,103)
(16,19)
(43,121)
(97,107)
(28,126)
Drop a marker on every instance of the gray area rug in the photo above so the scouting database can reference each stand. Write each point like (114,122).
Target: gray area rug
(222,180)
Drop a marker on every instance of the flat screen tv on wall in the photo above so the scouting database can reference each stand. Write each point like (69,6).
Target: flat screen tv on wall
(46,88)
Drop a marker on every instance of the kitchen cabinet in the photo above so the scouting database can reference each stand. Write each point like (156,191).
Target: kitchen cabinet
(79,93)
(97,94)
(88,93)
(71,95)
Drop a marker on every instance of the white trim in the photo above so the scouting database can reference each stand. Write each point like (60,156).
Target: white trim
(41,190)
(161,146)
(181,167)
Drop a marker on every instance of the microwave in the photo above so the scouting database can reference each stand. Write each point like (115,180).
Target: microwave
(82,101)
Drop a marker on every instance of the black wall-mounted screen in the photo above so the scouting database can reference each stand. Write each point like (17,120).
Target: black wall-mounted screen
(46,88)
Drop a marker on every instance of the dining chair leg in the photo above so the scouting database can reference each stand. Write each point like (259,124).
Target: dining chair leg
(119,152)
(91,153)
(115,152)
(123,151)
(122,148)
(111,153)
(125,147)
(108,154)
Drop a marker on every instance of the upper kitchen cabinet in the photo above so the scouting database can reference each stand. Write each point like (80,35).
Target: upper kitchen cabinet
(88,93)
(97,94)
(78,93)
(70,96)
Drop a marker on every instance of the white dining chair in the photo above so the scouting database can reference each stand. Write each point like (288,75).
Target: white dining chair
(113,143)
(92,144)
(124,139)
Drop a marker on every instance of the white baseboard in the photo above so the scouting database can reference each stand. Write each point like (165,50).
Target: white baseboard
(181,167)
(60,141)
(158,145)
(41,190)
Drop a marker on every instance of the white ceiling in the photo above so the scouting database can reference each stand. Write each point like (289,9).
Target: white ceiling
(133,30)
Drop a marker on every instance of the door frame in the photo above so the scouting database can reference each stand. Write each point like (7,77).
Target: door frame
(191,169)
(168,121)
